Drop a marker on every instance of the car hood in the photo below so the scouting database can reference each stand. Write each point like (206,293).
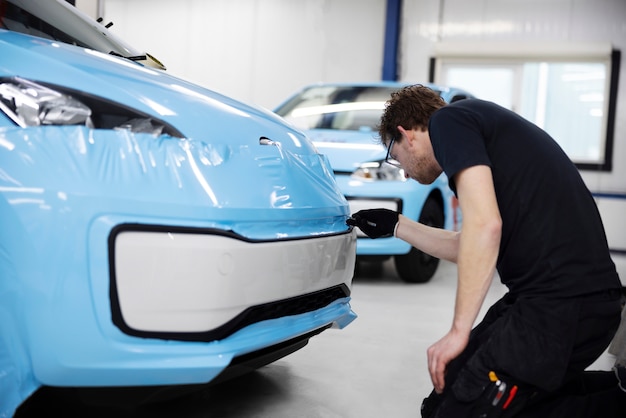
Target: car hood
(233,156)
(182,104)
(346,150)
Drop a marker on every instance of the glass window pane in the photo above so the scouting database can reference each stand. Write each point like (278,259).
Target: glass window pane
(486,82)
(567,100)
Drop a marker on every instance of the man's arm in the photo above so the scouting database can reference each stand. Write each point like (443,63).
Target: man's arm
(437,242)
(478,246)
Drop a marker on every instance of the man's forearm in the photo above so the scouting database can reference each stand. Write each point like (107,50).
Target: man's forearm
(440,243)
(476,269)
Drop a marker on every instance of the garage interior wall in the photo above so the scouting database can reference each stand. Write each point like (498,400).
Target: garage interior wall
(260,51)
(256,50)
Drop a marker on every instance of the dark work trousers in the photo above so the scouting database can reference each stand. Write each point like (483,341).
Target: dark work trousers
(537,350)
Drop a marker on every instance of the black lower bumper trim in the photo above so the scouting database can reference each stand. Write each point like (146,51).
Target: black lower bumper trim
(272,310)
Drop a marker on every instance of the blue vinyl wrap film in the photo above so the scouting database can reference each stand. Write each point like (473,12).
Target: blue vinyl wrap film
(64,188)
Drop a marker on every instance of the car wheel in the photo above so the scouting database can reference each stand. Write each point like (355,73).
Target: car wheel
(417,266)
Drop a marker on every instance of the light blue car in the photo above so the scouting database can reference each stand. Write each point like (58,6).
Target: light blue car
(154,232)
(342,119)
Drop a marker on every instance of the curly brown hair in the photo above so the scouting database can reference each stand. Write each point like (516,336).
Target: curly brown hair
(410,107)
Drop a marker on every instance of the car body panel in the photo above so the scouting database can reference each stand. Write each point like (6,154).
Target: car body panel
(235,179)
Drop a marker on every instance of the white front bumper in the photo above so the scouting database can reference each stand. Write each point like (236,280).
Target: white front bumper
(195,282)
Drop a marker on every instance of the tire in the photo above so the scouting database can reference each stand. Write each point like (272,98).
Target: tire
(417,266)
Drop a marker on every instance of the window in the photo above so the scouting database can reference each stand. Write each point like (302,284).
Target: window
(569,93)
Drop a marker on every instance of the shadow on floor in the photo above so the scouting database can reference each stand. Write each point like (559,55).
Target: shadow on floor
(239,397)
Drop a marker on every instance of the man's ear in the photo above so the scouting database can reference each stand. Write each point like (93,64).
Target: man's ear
(403,131)
(407,135)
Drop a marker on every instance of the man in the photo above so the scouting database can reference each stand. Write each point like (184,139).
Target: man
(527,215)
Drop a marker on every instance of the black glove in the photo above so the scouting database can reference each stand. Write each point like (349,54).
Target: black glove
(375,223)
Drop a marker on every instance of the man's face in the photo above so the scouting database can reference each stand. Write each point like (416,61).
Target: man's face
(414,152)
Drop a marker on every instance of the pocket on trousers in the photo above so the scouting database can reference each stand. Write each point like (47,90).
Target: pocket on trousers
(532,342)
(535,341)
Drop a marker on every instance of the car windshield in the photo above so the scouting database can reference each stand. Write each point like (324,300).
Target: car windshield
(352,108)
(337,107)
(13,17)
(62,22)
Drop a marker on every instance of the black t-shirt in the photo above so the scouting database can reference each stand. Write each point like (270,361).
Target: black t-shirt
(553,242)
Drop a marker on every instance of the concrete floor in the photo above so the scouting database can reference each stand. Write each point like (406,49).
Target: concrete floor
(375,367)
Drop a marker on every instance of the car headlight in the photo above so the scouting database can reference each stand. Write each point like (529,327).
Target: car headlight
(379,171)
(29,103)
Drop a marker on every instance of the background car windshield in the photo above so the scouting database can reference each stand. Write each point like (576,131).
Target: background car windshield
(331,107)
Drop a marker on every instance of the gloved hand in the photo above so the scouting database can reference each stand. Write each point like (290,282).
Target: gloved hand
(375,223)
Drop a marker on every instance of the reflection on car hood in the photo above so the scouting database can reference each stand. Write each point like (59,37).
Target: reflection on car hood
(346,150)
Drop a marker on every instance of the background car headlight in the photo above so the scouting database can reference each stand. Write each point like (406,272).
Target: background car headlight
(30,103)
(378,171)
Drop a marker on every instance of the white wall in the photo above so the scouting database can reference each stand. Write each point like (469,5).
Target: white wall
(259,51)
(90,7)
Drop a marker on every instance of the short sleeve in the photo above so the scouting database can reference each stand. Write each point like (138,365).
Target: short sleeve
(457,139)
